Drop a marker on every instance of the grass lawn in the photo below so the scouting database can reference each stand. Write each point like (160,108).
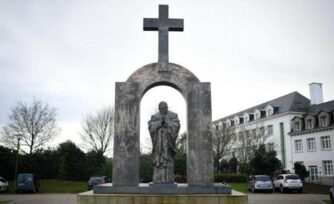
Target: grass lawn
(4,202)
(241,187)
(327,201)
(57,186)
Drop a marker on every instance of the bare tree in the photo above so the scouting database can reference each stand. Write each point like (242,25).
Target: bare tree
(222,143)
(181,143)
(248,140)
(98,130)
(35,124)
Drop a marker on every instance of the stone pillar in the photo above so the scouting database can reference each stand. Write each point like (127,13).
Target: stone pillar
(200,155)
(126,140)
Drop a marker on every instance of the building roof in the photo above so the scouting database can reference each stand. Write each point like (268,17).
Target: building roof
(292,102)
(315,109)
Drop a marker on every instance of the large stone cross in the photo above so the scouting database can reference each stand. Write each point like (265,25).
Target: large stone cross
(163,24)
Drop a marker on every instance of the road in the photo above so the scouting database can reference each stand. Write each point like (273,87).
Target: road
(277,198)
(256,198)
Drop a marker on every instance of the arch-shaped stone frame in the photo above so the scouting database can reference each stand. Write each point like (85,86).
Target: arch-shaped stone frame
(127,123)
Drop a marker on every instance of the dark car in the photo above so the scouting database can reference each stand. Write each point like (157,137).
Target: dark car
(331,194)
(95,180)
(26,182)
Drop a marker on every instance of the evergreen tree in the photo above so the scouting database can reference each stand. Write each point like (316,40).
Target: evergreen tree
(146,169)
(264,162)
(233,164)
(72,162)
(300,169)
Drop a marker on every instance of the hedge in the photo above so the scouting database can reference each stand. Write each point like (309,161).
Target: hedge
(231,178)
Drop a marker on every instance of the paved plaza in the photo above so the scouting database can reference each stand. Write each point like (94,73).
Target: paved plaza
(256,198)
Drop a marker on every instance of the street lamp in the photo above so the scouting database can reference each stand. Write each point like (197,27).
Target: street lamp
(19,137)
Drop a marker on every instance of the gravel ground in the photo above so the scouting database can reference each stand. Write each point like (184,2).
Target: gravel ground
(39,198)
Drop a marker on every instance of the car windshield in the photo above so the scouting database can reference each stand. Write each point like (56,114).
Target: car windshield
(96,179)
(2,180)
(292,177)
(263,178)
(24,178)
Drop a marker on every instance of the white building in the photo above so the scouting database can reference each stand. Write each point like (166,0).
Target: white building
(312,141)
(274,123)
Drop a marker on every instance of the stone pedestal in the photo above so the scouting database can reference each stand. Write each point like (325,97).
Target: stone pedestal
(170,189)
(92,198)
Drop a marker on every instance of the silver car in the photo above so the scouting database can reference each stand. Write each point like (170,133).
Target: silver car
(260,183)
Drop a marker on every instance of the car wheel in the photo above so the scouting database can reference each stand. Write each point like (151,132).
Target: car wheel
(253,190)
(282,189)
(332,199)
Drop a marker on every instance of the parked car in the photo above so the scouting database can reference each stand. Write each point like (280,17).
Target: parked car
(3,184)
(95,180)
(331,194)
(260,183)
(285,182)
(26,182)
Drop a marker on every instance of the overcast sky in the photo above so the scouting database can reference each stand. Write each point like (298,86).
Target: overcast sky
(70,53)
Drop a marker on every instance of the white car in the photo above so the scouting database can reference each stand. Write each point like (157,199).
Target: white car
(331,193)
(3,184)
(285,182)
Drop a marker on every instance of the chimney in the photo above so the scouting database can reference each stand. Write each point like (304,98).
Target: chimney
(316,93)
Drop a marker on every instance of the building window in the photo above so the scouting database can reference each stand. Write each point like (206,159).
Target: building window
(309,124)
(298,145)
(323,121)
(311,144)
(325,142)
(328,167)
(270,130)
(271,147)
(297,126)
(248,134)
(261,131)
(241,137)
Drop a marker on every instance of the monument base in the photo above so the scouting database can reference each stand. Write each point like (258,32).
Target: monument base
(92,198)
(156,188)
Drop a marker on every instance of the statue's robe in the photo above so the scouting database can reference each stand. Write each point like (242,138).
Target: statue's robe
(163,135)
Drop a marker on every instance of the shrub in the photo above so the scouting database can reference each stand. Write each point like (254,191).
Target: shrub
(231,178)
(180,178)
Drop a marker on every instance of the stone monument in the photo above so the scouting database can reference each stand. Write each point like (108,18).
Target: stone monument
(200,186)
